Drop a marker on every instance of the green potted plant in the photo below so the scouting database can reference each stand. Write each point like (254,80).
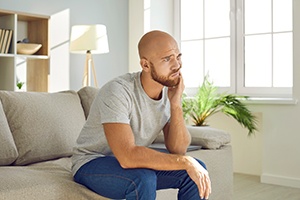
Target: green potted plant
(20,85)
(208,102)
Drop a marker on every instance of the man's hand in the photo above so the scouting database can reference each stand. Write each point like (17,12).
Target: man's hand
(175,93)
(177,137)
(200,176)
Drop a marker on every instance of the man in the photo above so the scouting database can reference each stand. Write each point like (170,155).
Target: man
(112,156)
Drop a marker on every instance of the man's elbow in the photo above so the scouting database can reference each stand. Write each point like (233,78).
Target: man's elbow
(126,164)
(177,150)
(127,160)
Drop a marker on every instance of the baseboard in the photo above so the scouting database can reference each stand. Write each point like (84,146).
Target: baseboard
(280,180)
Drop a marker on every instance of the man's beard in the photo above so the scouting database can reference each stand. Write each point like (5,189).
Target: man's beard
(164,80)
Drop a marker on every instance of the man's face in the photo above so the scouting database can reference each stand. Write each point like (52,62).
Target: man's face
(163,58)
(167,70)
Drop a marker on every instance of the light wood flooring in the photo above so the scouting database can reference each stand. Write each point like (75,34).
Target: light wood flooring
(248,187)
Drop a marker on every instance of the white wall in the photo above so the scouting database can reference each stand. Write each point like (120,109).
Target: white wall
(274,152)
(136,30)
(67,69)
(161,19)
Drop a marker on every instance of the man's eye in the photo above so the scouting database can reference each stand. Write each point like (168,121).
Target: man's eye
(179,57)
(167,59)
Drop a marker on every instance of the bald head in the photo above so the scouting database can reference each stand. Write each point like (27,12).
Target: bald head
(155,41)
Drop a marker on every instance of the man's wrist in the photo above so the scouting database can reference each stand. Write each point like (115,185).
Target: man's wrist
(176,107)
(184,161)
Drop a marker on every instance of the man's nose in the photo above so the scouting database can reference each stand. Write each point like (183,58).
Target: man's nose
(176,64)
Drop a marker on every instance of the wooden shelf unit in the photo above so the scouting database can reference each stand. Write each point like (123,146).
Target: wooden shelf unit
(36,29)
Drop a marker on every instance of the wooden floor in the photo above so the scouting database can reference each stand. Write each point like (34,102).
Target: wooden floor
(248,187)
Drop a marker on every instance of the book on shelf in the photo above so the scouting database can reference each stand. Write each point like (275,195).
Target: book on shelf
(5,40)
(8,41)
(1,37)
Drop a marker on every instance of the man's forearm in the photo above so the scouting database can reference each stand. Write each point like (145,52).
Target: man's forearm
(178,137)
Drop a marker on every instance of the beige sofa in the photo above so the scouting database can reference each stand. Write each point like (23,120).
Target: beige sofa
(39,130)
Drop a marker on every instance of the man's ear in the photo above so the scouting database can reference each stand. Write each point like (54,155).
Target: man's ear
(145,64)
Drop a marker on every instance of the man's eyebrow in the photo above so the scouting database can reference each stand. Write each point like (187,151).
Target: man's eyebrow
(167,56)
(179,55)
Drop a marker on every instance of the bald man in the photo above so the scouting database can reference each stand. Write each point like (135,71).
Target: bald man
(112,156)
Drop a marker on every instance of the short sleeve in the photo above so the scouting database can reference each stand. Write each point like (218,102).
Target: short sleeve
(115,103)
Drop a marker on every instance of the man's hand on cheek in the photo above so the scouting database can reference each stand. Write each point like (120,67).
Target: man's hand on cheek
(175,92)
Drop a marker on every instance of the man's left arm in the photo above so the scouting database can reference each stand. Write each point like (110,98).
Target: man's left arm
(177,137)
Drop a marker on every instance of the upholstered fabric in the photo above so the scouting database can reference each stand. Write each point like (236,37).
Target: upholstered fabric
(219,165)
(8,150)
(50,180)
(44,125)
(87,95)
(208,137)
(204,136)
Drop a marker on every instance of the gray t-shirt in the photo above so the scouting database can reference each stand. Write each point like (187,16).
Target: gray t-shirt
(122,100)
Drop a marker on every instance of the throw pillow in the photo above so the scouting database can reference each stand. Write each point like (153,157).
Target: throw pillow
(204,136)
(208,137)
(44,125)
(8,150)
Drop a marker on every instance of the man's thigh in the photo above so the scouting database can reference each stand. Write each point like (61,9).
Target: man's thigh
(106,177)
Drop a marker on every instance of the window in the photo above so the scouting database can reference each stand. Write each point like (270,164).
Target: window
(245,46)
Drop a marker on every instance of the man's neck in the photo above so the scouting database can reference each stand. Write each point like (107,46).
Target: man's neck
(152,88)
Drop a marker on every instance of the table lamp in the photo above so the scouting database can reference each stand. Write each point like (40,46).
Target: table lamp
(89,39)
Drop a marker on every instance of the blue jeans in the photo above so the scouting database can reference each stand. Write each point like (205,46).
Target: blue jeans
(106,177)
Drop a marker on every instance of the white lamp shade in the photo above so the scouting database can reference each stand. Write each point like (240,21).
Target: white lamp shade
(89,38)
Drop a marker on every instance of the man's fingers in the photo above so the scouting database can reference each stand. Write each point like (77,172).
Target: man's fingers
(208,189)
(201,178)
(202,185)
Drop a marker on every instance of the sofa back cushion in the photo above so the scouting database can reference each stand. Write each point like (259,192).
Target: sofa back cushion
(44,125)
(8,150)
(87,95)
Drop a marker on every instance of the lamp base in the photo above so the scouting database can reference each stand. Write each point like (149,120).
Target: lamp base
(89,69)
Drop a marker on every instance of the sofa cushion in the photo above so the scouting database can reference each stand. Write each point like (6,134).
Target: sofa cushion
(50,180)
(8,150)
(208,137)
(44,125)
(87,95)
(204,136)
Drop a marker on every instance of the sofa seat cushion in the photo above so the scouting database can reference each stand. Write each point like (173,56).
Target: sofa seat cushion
(44,125)
(47,180)
(8,149)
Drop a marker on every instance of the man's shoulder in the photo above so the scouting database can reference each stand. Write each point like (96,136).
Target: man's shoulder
(128,78)
(121,83)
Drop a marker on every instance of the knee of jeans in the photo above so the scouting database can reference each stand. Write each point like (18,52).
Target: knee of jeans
(143,184)
(146,177)
(146,174)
